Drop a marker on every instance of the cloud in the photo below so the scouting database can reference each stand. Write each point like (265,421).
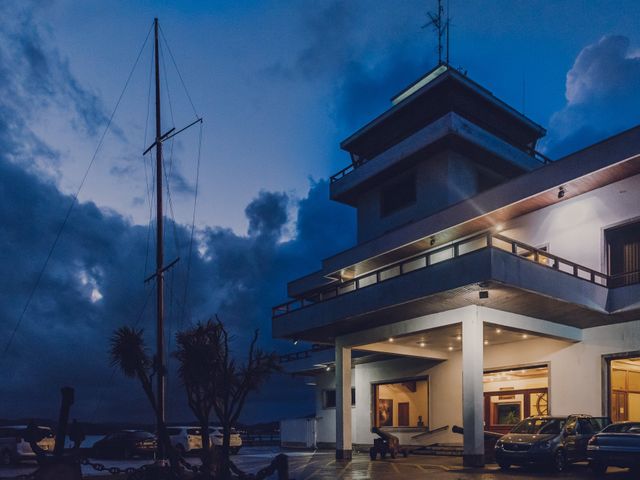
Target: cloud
(602,96)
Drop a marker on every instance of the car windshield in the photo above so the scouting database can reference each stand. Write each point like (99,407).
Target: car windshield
(539,426)
(620,427)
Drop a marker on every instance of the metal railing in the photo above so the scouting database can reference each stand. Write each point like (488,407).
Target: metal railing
(454,250)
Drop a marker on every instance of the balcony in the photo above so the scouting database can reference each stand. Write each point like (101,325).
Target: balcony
(517,277)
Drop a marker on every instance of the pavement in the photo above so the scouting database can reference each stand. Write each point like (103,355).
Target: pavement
(321,465)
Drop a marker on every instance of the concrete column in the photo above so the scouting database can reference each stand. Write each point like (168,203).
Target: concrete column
(472,391)
(343,402)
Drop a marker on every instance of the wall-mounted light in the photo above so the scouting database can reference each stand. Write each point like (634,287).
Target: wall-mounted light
(561,192)
(483,294)
(328,369)
(499,227)
(295,341)
(432,241)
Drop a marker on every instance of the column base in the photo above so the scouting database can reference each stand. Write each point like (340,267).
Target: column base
(343,454)
(473,460)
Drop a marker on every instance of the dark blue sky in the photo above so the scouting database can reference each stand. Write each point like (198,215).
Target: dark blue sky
(279,85)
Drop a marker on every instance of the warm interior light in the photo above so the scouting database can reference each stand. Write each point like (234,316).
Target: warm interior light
(450,348)
(422,344)
(459,337)
(499,227)
(524,335)
(486,342)
(498,330)
(391,339)
(328,369)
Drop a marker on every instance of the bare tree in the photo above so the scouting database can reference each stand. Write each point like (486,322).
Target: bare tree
(198,353)
(234,383)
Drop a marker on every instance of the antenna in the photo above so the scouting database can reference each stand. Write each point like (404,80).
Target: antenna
(441,27)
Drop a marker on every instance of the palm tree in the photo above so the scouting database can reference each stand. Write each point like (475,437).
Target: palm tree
(129,353)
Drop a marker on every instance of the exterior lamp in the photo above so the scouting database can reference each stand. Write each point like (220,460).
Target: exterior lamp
(561,192)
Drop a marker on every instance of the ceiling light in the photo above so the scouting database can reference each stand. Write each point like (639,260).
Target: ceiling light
(390,339)
(499,227)
(328,369)
(432,241)
(295,342)
(524,335)
(486,342)
(450,348)
(422,344)
(459,337)
(498,330)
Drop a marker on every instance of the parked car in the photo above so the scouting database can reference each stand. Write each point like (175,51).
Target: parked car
(618,445)
(126,444)
(14,447)
(549,441)
(235,441)
(185,439)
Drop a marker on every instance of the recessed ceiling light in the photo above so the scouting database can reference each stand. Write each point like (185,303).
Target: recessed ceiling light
(422,344)
(450,348)
(524,335)
(499,227)
(486,342)
(498,330)
(391,339)
(459,337)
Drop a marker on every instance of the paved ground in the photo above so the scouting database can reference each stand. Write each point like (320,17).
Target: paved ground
(322,466)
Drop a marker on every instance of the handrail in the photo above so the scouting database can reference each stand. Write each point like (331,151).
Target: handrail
(457,249)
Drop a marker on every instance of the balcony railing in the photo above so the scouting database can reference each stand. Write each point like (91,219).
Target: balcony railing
(455,250)
(357,162)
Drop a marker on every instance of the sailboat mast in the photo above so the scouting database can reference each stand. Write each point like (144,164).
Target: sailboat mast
(159,259)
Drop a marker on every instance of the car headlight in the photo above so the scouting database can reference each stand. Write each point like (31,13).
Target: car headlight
(499,444)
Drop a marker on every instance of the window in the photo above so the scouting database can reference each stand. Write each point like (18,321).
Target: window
(624,380)
(401,404)
(623,254)
(398,195)
(329,398)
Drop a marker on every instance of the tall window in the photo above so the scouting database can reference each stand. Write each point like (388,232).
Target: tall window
(329,398)
(623,254)
(625,389)
(398,195)
(401,404)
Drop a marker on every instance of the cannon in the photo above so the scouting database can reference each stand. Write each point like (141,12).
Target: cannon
(386,444)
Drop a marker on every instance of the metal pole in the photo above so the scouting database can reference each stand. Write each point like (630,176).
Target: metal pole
(159,260)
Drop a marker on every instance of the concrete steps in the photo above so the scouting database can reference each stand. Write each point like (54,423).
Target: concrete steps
(440,449)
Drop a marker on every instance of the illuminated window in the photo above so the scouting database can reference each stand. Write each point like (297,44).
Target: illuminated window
(401,404)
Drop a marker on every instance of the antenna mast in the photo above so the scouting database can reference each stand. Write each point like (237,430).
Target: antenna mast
(161,372)
(441,27)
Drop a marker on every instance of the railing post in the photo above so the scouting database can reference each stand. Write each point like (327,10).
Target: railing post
(514,247)
(489,239)
(456,250)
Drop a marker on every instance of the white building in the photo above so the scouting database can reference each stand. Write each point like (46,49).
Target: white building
(488,283)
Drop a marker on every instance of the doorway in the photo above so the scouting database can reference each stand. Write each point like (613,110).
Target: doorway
(623,254)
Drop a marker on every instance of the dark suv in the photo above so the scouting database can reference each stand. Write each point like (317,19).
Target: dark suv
(548,441)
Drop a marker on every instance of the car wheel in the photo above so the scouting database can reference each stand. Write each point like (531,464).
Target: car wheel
(5,458)
(598,468)
(559,461)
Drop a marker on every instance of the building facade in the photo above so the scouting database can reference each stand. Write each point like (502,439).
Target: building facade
(488,282)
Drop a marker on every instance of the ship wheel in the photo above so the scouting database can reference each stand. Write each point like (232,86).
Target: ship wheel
(542,404)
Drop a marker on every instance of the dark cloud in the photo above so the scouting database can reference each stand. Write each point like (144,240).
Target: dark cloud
(602,94)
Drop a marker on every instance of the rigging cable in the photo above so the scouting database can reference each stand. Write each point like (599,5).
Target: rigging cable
(74,200)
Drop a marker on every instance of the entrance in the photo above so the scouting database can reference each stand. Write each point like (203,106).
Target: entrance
(624,392)
(513,395)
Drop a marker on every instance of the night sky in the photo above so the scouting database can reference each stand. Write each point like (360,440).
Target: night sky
(279,84)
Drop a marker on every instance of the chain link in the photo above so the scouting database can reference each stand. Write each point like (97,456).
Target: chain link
(99,467)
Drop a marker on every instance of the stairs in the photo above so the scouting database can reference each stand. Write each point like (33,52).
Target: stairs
(440,449)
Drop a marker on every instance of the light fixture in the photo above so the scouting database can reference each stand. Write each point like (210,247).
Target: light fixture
(328,369)
(525,336)
(486,342)
(459,337)
(432,241)
(422,344)
(498,330)
(482,294)
(450,348)
(390,339)
(499,227)
(295,341)
(561,192)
